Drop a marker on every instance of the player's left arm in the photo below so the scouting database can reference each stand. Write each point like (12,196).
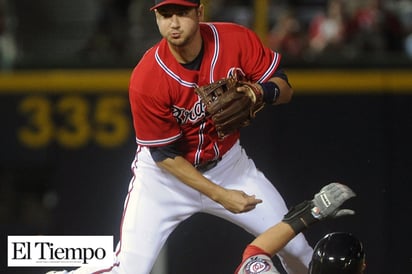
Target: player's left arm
(274,239)
(275,91)
(285,92)
(260,61)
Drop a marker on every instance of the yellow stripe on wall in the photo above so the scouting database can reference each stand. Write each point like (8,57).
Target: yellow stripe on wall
(351,81)
(56,81)
(309,82)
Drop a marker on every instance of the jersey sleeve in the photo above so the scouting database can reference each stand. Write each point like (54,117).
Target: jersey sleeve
(259,61)
(152,116)
(255,260)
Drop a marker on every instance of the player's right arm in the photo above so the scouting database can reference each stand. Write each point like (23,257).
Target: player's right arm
(168,158)
(235,201)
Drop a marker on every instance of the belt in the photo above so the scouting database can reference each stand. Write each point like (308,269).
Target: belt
(203,167)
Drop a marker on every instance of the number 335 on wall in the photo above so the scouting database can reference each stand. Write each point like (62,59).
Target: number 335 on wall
(74,121)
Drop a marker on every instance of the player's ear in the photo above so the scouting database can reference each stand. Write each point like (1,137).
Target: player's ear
(157,15)
(201,12)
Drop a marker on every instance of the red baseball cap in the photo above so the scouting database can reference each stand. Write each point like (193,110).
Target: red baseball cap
(186,3)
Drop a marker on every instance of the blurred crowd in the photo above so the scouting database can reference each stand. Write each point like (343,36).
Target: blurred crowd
(8,49)
(346,29)
(116,32)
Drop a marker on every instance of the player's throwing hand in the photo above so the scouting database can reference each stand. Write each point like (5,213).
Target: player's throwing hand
(237,201)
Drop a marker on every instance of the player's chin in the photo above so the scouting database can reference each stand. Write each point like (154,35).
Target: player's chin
(177,41)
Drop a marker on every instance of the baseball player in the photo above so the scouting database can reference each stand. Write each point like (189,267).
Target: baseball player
(335,253)
(182,166)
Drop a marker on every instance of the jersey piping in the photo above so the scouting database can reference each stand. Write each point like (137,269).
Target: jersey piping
(199,146)
(171,73)
(271,69)
(160,141)
(216,52)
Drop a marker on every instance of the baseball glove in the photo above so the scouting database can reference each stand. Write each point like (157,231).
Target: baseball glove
(231,103)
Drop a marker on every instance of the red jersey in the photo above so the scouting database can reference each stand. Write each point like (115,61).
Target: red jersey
(166,109)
